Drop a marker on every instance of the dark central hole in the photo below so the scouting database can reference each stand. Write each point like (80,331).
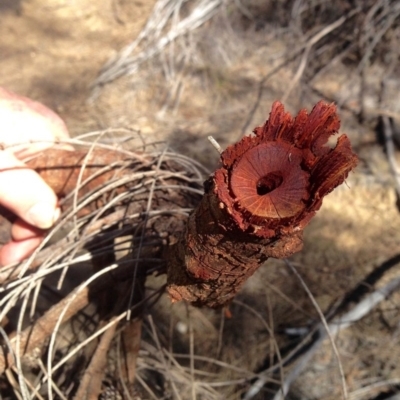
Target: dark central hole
(268,183)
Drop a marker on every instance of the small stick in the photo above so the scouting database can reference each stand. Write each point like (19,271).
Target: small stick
(131,336)
(390,151)
(90,387)
(35,336)
(215,144)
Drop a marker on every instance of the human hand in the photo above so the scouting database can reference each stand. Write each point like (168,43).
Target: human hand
(26,128)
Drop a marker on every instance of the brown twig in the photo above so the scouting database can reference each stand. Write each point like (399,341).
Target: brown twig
(35,336)
(390,152)
(131,336)
(90,386)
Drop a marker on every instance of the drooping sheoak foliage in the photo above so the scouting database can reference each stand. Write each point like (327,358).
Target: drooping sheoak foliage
(258,202)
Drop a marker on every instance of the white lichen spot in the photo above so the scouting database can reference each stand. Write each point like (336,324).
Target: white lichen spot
(181,327)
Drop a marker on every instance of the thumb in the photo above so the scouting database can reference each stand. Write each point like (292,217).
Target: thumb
(25,193)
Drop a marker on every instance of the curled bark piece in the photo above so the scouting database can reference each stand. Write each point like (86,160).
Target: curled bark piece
(84,171)
(257,203)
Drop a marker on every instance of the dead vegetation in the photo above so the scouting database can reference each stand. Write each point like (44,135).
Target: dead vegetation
(214,67)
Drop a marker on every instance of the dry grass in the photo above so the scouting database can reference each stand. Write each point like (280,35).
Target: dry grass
(46,300)
(215,72)
(62,341)
(197,46)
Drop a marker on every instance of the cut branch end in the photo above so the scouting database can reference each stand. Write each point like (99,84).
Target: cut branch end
(258,202)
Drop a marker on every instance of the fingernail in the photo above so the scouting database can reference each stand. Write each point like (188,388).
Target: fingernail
(43,215)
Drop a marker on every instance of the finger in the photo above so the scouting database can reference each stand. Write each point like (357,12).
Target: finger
(16,251)
(26,194)
(29,126)
(21,230)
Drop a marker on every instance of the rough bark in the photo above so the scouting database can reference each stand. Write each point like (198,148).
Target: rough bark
(257,203)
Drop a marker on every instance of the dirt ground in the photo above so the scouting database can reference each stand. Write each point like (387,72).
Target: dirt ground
(53,50)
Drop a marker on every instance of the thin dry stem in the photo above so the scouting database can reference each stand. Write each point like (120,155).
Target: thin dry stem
(33,337)
(130,337)
(146,178)
(162,28)
(90,387)
(328,333)
(315,39)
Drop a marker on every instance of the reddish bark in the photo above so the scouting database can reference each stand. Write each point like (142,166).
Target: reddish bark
(61,169)
(257,204)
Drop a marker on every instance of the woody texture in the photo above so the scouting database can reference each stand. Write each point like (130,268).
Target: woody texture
(257,204)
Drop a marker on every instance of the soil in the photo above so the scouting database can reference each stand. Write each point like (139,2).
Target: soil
(53,50)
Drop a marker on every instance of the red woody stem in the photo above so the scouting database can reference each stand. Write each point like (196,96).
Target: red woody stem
(257,203)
